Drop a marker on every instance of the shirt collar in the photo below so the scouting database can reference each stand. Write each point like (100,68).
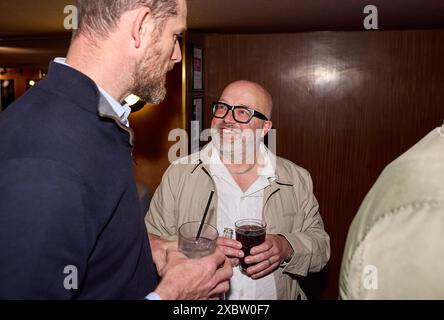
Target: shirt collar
(267,161)
(122,111)
(219,170)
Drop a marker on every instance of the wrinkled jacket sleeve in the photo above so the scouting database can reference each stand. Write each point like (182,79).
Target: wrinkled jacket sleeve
(311,244)
(160,219)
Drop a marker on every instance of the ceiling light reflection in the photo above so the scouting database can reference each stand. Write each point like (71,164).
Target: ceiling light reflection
(325,75)
(132,99)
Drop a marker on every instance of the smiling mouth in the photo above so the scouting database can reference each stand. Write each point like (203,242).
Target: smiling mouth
(229,135)
(228,128)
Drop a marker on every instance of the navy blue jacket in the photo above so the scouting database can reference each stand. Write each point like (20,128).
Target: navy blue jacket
(68,199)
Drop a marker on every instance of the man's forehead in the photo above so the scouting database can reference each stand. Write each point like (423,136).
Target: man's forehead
(246,98)
(240,93)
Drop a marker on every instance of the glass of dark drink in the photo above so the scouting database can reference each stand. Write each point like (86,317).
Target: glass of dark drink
(251,233)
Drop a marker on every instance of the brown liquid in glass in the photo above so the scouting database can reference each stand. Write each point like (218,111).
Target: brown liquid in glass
(250,236)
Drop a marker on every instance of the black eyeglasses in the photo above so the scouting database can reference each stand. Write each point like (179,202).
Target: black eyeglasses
(241,114)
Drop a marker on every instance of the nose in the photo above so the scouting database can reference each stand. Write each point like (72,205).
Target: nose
(177,53)
(229,117)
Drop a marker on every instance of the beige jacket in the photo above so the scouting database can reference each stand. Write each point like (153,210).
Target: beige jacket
(394,247)
(290,209)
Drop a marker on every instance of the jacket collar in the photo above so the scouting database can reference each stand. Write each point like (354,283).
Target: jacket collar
(82,91)
(105,110)
(202,162)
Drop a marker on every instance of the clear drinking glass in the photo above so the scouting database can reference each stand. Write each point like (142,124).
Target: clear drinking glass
(197,248)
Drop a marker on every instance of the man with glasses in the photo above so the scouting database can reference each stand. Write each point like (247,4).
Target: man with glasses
(250,182)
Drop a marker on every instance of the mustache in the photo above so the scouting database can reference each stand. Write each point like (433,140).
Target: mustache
(227,126)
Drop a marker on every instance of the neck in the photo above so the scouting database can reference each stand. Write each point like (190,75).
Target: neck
(99,64)
(235,170)
(238,165)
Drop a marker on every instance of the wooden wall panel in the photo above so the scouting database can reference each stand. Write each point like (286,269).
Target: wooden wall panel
(346,104)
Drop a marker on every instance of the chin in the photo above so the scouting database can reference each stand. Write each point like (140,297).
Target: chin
(155,95)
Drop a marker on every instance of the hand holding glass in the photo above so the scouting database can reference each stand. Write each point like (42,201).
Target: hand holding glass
(251,233)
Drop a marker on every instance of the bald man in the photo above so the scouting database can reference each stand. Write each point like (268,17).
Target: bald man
(250,182)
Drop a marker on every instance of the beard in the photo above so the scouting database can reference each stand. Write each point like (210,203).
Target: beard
(149,78)
(234,144)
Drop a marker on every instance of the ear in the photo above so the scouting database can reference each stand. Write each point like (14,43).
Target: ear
(267,127)
(139,25)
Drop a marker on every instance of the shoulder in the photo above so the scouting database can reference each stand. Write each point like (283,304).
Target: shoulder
(189,160)
(182,168)
(288,171)
(190,163)
(406,198)
(413,177)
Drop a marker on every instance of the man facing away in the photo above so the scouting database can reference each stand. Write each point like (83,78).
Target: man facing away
(394,248)
(250,182)
(70,219)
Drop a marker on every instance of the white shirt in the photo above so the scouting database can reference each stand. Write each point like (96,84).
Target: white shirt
(234,204)
(122,111)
